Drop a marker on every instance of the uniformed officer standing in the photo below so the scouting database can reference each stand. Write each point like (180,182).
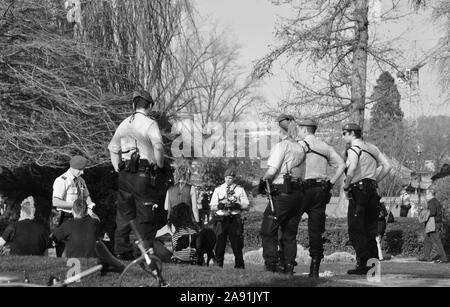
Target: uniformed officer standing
(317,186)
(137,154)
(67,188)
(227,202)
(360,187)
(285,174)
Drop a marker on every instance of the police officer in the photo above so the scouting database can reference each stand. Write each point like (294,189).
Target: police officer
(137,154)
(285,175)
(317,186)
(227,202)
(360,187)
(67,188)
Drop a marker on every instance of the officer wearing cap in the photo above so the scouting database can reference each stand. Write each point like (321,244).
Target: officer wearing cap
(360,187)
(317,186)
(227,202)
(67,188)
(285,175)
(137,154)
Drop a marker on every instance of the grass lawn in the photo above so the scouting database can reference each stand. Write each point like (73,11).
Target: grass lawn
(40,269)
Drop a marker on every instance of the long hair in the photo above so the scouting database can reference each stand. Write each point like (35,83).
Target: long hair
(182,171)
(181,216)
(290,130)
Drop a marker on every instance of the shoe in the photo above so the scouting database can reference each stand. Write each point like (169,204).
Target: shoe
(125,257)
(271,268)
(424,260)
(314,268)
(441,261)
(240,266)
(289,269)
(359,270)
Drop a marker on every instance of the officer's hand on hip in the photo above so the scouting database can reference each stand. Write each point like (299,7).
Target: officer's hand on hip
(93,215)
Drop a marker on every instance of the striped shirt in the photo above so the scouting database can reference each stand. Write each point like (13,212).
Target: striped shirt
(183,244)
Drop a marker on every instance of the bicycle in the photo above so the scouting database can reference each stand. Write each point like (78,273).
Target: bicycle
(148,262)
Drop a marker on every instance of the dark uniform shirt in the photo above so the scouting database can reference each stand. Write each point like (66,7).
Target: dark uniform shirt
(27,238)
(80,236)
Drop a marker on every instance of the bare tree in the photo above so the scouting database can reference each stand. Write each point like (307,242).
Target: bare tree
(62,85)
(221,89)
(334,44)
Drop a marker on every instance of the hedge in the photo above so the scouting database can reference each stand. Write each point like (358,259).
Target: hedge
(403,238)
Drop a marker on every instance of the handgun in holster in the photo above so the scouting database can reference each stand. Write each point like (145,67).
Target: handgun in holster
(133,164)
(287,183)
(152,172)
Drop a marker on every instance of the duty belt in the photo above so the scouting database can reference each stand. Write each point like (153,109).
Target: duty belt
(144,164)
(296,185)
(312,183)
(364,184)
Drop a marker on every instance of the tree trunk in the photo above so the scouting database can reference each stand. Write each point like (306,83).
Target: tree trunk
(359,73)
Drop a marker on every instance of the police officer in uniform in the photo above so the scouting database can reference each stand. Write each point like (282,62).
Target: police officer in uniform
(360,187)
(137,154)
(227,202)
(284,174)
(317,187)
(67,188)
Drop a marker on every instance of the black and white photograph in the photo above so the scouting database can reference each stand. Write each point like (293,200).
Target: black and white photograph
(224,149)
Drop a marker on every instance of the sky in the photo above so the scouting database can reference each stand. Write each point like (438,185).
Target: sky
(251,24)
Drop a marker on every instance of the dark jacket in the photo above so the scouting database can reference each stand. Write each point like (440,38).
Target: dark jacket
(435,208)
(80,236)
(27,238)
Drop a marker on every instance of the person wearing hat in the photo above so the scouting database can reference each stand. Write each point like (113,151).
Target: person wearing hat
(284,174)
(360,187)
(67,188)
(317,186)
(137,155)
(227,202)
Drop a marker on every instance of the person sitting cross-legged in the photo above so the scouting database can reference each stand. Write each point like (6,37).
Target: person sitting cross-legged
(79,234)
(27,236)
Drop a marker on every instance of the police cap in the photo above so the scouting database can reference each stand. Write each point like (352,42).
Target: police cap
(308,122)
(78,162)
(352,127)
(143,94)
(284,117)
(230,172)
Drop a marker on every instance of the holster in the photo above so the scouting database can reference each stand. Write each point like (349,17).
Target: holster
(133,165)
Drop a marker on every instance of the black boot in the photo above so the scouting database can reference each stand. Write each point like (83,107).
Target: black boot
(360,269)
(270,267)
(289,269)
(314,268)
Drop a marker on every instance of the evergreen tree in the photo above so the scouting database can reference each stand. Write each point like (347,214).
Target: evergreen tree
(386,122)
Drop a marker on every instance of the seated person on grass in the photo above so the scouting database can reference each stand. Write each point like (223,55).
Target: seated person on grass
(79,234)
(27,236)
(184,237)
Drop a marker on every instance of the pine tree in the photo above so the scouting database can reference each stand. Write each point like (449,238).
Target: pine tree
(386,122)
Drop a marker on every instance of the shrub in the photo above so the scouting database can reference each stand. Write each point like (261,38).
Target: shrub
(403,238)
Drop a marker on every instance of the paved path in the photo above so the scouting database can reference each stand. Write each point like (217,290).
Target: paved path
(399,272)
